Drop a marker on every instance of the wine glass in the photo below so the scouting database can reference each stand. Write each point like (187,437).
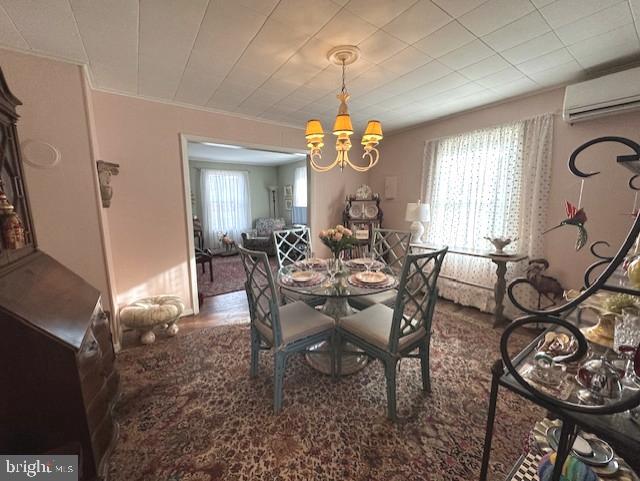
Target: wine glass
(626,338)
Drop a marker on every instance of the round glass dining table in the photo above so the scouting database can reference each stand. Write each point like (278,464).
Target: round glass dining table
(336,290)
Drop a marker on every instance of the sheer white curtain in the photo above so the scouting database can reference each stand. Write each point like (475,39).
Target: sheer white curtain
(299,213)
(490,182)
(226,204)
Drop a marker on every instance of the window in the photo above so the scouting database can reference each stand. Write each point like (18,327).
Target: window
(492,182)
(226,204)
(299,214)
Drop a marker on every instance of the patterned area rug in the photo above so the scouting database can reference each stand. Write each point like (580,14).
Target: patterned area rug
(228,276)
(190,412)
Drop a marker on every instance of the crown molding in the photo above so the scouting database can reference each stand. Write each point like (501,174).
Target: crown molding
(92,85)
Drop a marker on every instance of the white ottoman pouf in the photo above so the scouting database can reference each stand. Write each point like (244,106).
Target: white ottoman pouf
(145,314)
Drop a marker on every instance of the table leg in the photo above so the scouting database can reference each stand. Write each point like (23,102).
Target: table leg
(499,291)
(319,356)
(210,270)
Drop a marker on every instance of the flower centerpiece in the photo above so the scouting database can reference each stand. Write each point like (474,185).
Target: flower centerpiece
(338,239)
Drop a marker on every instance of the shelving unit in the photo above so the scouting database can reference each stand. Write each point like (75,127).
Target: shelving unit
(605,421)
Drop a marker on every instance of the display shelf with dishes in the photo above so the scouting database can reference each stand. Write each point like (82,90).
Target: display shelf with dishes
(590,384)
(362,214)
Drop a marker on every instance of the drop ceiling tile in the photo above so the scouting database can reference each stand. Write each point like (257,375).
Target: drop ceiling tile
(448,82)
(559,75)
(291,102)
(417,22)
(562,12)
(517,87)
(466,55)
(274,44)
(168,30)
(229,96)
(9,34)
(251,77)
(542,3)
(494,14)
(406,60)
(262,96)
(533,48)
(456,8)
(227,29)
(299,71)
(420,76)
(345,29)
(380,46)
(526,28)
(510,74)
(264,7)
(48,27)
(545,62)
(379,12)
(603,21)
(450,95)
(371,79)
(110,35)
(445,40)
(314,52)
(635,9)
(296,15)
(483,68)
(606,48)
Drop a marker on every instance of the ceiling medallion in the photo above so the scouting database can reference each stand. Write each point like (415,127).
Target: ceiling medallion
(342,128)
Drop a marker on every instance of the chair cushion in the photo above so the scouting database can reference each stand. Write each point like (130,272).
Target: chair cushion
(386,297)
(374,326)
(298,320)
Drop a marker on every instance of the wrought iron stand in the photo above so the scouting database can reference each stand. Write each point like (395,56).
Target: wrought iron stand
(505,373)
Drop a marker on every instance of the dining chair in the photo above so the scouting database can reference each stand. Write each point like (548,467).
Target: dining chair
(288,329)
(391,247)
(391,334)
(293,245)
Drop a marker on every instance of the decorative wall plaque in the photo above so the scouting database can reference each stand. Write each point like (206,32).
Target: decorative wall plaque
(105,171)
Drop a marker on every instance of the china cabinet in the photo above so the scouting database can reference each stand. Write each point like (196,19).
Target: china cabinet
(362,214)
(58,376)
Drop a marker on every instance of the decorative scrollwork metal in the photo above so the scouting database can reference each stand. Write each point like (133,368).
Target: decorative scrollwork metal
(621,158)
(550,315)
(619,406)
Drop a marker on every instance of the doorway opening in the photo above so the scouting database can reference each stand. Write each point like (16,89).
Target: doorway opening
(237,194)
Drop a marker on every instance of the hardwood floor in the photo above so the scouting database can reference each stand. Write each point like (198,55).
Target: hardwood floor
(232,308)
(219,310)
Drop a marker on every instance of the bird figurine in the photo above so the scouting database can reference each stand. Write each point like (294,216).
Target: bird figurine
(576,217)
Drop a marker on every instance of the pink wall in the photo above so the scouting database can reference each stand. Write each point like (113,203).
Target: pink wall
(64,197)
(147,220)
(605,198)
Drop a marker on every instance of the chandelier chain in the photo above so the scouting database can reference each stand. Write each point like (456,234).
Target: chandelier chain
(344,88)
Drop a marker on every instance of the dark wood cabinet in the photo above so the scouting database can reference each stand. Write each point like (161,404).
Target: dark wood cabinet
(58,381)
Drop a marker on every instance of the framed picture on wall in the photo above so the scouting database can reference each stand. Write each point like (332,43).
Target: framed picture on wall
(288,190)
(288,204)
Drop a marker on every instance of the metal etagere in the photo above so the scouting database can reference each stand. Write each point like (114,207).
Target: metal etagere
(605,421)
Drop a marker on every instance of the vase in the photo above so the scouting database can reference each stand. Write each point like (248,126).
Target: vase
(338,258)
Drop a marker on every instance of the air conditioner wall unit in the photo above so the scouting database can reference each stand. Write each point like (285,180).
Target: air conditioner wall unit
(608,95)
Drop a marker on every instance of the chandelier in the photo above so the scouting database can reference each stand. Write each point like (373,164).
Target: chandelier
(342,128)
